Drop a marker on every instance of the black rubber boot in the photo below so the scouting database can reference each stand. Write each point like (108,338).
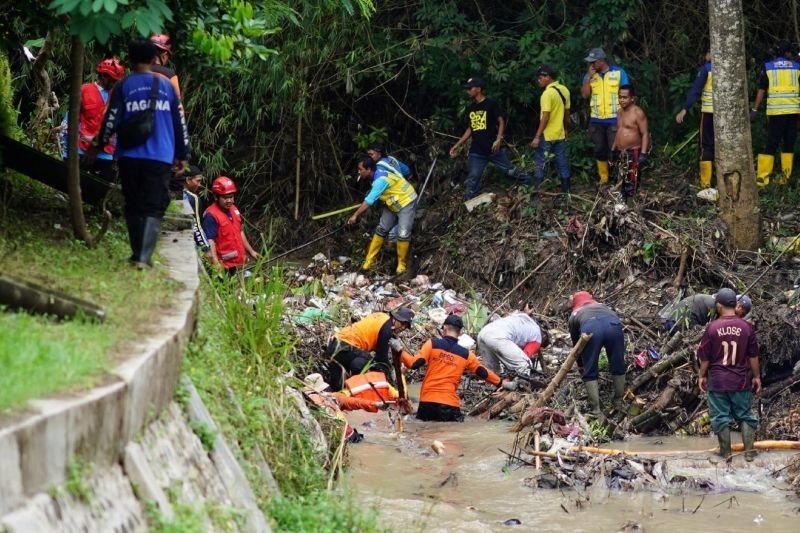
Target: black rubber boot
(134,224)
(724,439)
(748,439)
(150,229)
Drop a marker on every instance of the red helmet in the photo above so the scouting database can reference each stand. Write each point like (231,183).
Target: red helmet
(162,42)
(111,67)
(223,185)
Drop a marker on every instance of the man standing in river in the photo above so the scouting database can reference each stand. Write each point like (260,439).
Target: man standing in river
(633,137)
(730,372)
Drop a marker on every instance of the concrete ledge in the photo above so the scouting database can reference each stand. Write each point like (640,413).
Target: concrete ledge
(97,424)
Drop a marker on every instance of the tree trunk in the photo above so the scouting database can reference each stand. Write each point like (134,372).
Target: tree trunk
(736,180)
(73,164)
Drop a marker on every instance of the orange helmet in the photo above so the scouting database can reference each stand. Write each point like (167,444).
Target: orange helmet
(112,68)
(162,42)
(223,185)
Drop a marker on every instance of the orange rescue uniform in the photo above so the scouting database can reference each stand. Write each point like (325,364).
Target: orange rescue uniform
(364,333)
(446,360)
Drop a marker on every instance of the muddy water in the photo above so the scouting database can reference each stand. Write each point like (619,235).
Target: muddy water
(468,489)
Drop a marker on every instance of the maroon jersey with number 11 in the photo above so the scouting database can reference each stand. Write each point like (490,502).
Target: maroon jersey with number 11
(728,343)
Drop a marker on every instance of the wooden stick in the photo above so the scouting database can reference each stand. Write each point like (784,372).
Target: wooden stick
(527,418)
(536,444)
(760,445)
(678,281)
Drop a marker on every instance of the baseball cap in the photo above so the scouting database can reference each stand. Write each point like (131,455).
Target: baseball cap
(454,320)
(378,147)
(546,71)
(746,302)
(474,81)
(594,55)
(316,382)
(403,314)
(725,297)
(193,170)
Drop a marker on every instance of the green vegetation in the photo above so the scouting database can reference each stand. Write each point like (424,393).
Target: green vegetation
(239,360)
(77,472)
(206,434)
(39,355)
(8,118)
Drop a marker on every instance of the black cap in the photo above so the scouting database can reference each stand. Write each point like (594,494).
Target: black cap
(726,297)
(454,320)
(378,147)
(403,314)
(192,171)
(474,81)
(784,47)
(546,71)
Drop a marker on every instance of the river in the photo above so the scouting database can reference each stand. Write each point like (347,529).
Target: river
(468,488)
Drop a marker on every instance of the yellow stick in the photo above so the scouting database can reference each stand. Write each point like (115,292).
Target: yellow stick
(336,212)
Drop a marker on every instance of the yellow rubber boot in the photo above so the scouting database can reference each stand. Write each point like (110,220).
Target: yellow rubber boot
(402,256)
(706,169)
(765,165)
(787,161)
(372,251)
(602,170)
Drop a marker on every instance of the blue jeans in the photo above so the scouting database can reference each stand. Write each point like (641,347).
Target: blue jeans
(477,164)
(606,333)
(541,159)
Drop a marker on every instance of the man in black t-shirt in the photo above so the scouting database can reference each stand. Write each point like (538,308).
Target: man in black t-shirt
(486,127)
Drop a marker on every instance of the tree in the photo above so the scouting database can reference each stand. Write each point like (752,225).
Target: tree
(736,180)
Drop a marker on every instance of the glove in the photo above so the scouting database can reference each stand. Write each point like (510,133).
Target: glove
(395,345)
(753,114)
(510,385)
(381,406)
(642,158)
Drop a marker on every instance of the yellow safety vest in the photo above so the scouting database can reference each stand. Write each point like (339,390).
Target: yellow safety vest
(783,94)
(706,99)
(604,102)
(399,193)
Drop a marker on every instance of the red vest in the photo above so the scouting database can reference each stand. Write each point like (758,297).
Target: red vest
(229,244)
(93,108)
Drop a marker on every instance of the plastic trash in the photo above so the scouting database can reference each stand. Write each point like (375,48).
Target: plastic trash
(711,194)
(641,359)
(513,522)
(466,341)
(311,315)
(437,315)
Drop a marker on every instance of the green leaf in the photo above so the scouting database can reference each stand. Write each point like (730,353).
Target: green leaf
(111,6)
(97,5)
(85,8)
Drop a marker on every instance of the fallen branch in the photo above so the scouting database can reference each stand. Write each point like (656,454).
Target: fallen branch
(566,366)
(763,445)
(660,368)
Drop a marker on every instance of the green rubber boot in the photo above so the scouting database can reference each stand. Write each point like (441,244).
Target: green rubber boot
(619,392)
(748,438)
(724,438)
(593,395)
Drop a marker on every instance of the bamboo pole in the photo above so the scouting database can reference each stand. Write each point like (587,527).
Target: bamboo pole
(527,418)
(763,445)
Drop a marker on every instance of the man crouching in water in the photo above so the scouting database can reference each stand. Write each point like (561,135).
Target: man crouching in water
(633,137)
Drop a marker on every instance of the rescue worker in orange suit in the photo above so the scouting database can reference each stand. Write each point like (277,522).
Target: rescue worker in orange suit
(589,316)
(780,82)
(703,89)
(333,403)
(164,45)
(446,361)
(94,102)
(350,349)
(222,224)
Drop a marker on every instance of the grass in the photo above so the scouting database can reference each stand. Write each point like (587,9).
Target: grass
(238,361)
(40,355)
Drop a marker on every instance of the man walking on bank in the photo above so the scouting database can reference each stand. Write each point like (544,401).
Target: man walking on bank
(145,113)
(487,125)
(730,372)
(601,85)
(551,136)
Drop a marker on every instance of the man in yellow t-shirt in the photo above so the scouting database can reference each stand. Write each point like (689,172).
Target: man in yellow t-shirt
(551,136)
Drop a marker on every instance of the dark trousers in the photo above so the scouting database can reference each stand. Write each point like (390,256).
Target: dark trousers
(603,139)
(344,360)
(706,136)
(439,412)
(105,169)
(144,186)
(606,333)
(781,129)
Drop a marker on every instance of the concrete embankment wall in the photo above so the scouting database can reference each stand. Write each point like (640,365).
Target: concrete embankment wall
(139,445)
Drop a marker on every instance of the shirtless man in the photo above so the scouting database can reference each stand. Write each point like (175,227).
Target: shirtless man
(633,136)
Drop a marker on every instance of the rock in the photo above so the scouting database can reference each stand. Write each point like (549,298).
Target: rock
(481,199)
(513,522)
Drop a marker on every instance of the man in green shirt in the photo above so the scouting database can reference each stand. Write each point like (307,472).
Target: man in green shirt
(551,136)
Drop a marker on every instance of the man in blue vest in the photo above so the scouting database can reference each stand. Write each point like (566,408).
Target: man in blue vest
(145,154)
(600,85)
(702,89)
(780,82)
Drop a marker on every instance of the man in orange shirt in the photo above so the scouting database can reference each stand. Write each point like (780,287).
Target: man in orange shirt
(446,361)
(350,349)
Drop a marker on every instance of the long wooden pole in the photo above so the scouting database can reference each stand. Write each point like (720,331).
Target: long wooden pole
(566,366)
